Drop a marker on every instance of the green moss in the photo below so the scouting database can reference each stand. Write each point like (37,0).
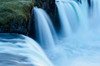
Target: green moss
(15,10)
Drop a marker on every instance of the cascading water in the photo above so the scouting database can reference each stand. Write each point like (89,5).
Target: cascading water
(19,50)
(65,26)
(70,23)
(82,47)
(47,36)
(43,29)
(79,47)
(83,24)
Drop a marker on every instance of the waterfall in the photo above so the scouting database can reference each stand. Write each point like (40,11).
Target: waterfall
(71,17)
(47,37)
(44,29)
(81,47)
(95,16)
(66,28)
(19,50)
(81,14)
(79,44)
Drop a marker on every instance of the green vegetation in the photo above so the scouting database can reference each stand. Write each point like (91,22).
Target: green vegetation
(15,10)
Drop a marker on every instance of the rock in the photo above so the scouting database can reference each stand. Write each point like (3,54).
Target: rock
(15,16)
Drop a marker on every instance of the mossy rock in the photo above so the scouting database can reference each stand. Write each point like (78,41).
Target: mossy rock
(17,11)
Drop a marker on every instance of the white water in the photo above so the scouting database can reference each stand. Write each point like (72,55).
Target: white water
(19,50)
(66,28)
(81,46)
(43,29)
(46,35)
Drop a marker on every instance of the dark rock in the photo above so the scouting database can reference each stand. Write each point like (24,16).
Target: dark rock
(16,17)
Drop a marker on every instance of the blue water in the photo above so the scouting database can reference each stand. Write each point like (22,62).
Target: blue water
(19,50)
(78,43)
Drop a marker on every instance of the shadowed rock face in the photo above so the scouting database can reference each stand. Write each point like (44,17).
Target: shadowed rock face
(15,16)
(89,2)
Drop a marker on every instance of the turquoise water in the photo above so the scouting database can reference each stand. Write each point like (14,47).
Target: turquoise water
(77,44)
